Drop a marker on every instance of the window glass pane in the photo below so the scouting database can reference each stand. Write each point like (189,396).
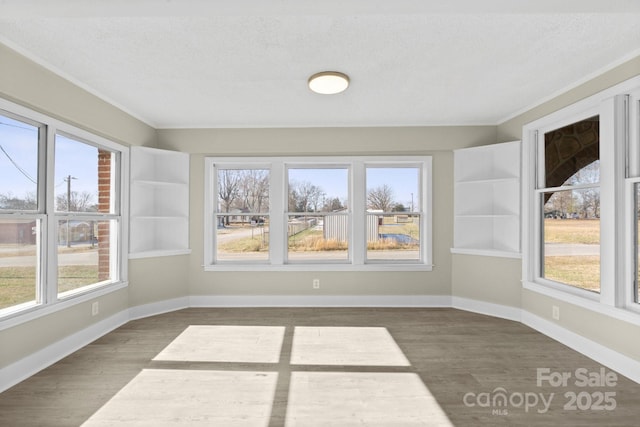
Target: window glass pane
(84,177)
(571,233)
(323,235)
(392,232)
(393,189)
(242,237)
(318,189)
(18,165)
(572,154)
(18,261)
(86,253)
(318,237)
(393,236)
(243,191)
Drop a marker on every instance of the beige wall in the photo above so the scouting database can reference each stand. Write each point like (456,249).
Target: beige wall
(29,84)
(489,279)
(512,129)
(158,279)
(30,337)
(610,332)
(435,141)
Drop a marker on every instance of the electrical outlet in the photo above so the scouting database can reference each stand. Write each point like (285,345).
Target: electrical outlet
(316,283)
(555,312)
(95,308)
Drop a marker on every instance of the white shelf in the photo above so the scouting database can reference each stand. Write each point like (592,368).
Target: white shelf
(488,162)
(159,208)
(487,200)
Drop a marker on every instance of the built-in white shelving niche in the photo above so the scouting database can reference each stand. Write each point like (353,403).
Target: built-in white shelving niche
(487,200)
(159,207)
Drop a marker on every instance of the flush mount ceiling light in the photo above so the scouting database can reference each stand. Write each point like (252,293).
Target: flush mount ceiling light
(329,82)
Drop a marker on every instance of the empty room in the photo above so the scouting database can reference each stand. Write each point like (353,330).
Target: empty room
(340,213)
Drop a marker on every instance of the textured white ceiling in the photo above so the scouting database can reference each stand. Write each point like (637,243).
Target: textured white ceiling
(197,63)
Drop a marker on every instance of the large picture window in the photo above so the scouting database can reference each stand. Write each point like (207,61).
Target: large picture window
(581,213)
(60,211)
(318,214)
(394,213)
(570,204)
(20,207)
(242,214)
(346,212)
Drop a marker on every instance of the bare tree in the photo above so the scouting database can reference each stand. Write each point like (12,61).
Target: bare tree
(333,204)
(9,201)
(77,202)
(561,203)
(228,189)
(305,197)
(254,190)
(380,198)
(590,197)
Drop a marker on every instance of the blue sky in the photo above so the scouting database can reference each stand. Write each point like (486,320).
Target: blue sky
(334,182)
(19,167)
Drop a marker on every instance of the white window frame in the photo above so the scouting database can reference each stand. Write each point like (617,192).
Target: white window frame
(357,210)
(632,179)
(314,164)
(615,247)
(47,288)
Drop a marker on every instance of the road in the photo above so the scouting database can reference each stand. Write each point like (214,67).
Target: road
(567,249)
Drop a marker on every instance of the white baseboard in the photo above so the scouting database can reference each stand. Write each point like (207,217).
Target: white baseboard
(625,365)
(154,308)
(487,308)
(321,301)
(35,362)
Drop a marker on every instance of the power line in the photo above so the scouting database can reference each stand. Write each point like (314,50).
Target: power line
(32,128)
(22,171)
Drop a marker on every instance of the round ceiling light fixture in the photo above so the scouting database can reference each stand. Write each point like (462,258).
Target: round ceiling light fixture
(329,82)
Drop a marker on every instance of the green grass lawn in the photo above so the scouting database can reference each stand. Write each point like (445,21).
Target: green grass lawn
(18,284)
(580,231)
(581,271)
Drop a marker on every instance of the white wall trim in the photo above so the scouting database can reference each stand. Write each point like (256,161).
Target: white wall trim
(601,354)
(321,301)
(41,359)
(155,308)
(487,308)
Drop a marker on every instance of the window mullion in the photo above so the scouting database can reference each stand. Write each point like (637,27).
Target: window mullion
(277,216)
(358,200)
(49,263)
(611,195)
(426,224)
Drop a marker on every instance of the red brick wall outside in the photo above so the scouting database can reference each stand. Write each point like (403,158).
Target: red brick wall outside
(104,205)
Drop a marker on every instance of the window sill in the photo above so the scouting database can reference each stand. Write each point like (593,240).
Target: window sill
(319,267)
(589,302)
(17,317)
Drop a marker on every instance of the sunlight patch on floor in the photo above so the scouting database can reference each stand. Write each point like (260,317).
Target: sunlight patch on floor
(352,346)
(361,398)
(222,343)
(176,398)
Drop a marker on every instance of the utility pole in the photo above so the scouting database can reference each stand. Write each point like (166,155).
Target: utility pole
(68,179)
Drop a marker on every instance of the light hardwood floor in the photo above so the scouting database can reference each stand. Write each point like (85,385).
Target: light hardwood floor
(317,366)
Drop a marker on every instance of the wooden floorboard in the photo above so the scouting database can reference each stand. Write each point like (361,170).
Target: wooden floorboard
(461,358)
